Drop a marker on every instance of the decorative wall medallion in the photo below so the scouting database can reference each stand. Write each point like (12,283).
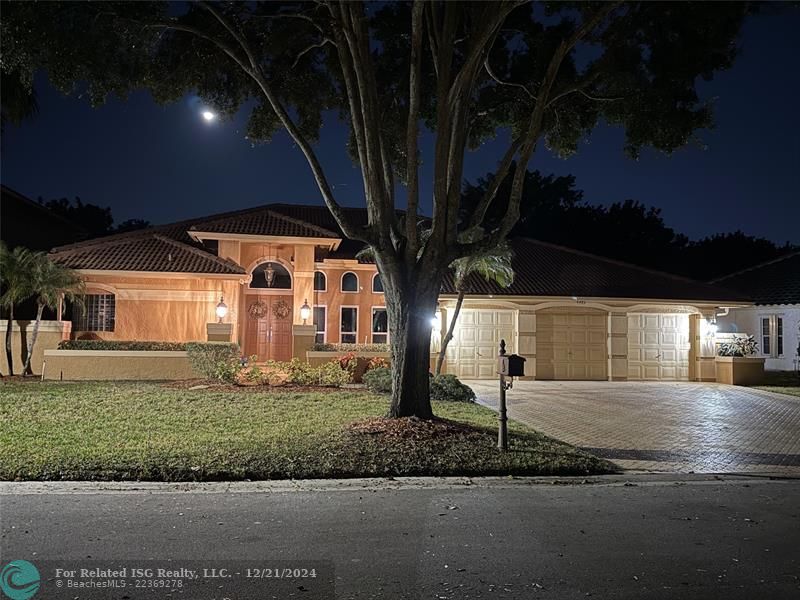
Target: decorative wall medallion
(281,309)
(257,310)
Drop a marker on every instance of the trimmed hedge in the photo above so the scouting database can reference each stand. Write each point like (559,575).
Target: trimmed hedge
(122,345)
(355,348)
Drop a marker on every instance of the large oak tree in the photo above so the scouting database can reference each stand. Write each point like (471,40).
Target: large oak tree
(545,73)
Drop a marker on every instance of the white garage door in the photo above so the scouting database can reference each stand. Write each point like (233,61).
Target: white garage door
(571,345)
(472,354)
(658,347)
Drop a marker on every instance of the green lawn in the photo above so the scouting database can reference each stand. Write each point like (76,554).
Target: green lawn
(147,431)
(782,382)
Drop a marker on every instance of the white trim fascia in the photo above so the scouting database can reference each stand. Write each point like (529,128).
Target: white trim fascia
(599,299)
(344,263)
(331,243)
(161,274)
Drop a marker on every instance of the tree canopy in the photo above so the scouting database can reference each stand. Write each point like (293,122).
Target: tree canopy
(545,72)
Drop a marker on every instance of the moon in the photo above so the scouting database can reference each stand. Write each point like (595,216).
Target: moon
(208,116)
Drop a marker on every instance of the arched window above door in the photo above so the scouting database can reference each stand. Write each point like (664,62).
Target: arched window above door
(271,275)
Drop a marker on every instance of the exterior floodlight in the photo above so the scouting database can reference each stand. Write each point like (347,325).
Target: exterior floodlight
(222,309)
(305,312)
(436,322)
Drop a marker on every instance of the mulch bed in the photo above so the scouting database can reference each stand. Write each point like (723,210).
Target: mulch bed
(412,428)
(212,385)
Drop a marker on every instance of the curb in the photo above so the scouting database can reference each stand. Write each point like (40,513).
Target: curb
(376,484)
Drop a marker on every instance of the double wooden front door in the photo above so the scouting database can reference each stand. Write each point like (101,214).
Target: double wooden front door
(268,335)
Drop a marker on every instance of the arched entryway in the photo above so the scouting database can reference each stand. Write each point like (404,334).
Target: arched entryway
(268,312)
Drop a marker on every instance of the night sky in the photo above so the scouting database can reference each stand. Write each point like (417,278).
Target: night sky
(164,163)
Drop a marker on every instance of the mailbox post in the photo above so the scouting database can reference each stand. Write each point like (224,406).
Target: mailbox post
(507,366)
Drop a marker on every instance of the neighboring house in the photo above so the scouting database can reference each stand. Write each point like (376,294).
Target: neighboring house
(774,286)
(24,222)
(572,315)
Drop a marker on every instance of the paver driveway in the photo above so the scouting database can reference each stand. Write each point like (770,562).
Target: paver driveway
(662,426)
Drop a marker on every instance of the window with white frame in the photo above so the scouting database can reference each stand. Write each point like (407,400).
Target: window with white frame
(349,282)
(348,328)
(320,319)
(772,335)
(320,281)
(380,326)
(377,284)
(97,314)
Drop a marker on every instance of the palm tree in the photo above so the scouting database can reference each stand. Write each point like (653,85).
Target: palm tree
(15,282)
(493,265)
(50,283)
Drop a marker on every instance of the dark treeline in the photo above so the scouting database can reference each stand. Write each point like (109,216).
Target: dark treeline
(553,210)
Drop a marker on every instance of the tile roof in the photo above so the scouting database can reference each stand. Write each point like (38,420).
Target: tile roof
(773,282)
(543,269)
(146,252)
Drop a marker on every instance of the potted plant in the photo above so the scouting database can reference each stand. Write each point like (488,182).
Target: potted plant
(735,363)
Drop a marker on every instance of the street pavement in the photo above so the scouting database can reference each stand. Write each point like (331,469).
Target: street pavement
(637,537)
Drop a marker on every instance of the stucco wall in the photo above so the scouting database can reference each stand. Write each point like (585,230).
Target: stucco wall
(747,320)
(334,299)
(174,309)
(50,334)
(117,365)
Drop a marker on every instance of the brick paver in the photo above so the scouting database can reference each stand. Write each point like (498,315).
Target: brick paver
(683,427)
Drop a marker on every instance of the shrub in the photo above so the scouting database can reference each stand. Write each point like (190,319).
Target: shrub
(355,348)
(377,362)
(216,360)
(378,379)
(347,362)
(740,346)
(450,389)
(332,374)
(121,345)
(299,372)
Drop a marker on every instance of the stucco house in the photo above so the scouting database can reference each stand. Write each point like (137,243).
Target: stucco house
(774,286)
(572,315)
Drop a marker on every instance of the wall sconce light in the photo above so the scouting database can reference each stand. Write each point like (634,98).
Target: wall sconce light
(222,309)
(269,274)
(305,311)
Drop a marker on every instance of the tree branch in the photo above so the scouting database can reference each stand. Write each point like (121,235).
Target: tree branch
(310,48)
(257,75)
(508,83)
(412,130)
(533,131)
(505,164)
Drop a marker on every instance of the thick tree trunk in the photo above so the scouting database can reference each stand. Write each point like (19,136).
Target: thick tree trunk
(411,304)
(32,342)
(449,336)
(9,353)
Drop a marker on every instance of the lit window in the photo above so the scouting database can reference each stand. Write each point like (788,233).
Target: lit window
(349,282)
(98,313)
(377,284)
(380,326)
(320,281)
(320,314)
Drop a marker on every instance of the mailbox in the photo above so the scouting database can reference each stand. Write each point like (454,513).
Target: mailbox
(512,365)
